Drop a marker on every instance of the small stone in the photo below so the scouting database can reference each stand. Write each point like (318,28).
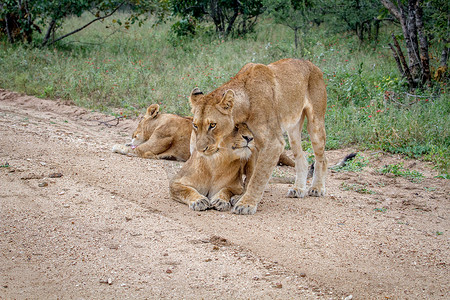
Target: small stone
(169,271)
(43,163)
(113,246)
(350,297)
(128,219)
(106,281)
(61,193)
(278,285)
(216,248)
(302,275)
(55,175)
(43,184)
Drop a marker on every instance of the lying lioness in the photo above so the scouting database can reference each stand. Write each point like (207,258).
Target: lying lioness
(159,136)
(211,181)
(166,136)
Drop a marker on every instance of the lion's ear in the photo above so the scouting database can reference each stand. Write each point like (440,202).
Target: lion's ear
(153,110)
(195,95)
(226,103)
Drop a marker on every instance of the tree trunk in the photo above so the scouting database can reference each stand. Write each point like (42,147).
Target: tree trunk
(296,38)
(217,16)
(444,56)
(8,29)
(232,20)
(423,42)
(377,31)
(51,28)
(414,60)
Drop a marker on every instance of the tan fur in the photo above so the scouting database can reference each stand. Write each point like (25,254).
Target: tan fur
(271,99)
(211,180)
(160,136)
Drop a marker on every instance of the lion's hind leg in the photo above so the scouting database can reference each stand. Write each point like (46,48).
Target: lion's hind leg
(316,130)
(301,165)
(122,149)
(154,147)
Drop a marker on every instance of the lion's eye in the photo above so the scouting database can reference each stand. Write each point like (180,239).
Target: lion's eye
(195,126)
(212,125)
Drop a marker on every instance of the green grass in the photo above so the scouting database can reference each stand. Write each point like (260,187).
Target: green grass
(130,69)
(359,188)
(399,171)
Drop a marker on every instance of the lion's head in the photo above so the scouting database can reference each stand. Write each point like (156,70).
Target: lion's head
(240,141)
(144,128)
(213,119)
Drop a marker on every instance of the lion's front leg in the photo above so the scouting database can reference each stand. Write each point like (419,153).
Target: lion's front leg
(188,195)
(265,163)
(221,200)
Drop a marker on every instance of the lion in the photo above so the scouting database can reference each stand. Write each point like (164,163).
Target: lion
(159,136)
(270,99)
(166,136)
(211,180)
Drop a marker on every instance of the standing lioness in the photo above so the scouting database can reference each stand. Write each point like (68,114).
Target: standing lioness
(270,99)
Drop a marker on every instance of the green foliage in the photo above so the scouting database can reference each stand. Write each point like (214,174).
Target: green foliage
(227,15)
(184,27)
(47,17)
(358,16)
(295,14)
(399,170)
(436,13)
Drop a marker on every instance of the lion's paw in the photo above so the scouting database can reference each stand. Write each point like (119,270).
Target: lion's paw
(235,199)
(296,193)
(245,209)
(242,207)
(121,149)
(200,204)
(316,191)
(220,204)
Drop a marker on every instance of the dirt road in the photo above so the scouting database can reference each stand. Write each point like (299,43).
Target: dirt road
(78,221)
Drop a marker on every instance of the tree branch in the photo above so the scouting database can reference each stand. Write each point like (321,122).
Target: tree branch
(392,8)
(403,60)
(83,27)
(397,60)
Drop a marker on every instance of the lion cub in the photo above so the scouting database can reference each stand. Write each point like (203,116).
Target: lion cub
(218,176)
(159,136)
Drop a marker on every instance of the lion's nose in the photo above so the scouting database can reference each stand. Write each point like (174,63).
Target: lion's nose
(247,138)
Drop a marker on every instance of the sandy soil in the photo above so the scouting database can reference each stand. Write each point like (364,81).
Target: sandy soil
(78,221)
